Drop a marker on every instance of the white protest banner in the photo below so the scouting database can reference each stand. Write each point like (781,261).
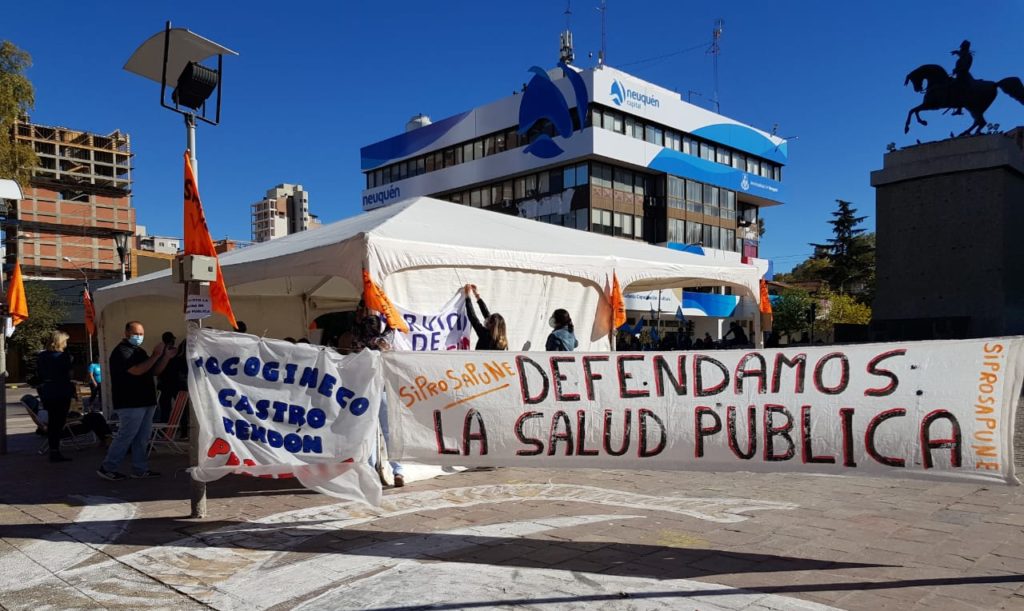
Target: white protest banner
(270,408)
(941,410)
(447,329)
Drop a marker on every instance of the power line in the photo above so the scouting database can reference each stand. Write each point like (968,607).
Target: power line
(702,45)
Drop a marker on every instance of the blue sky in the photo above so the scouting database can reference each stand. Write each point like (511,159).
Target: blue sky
(316,81)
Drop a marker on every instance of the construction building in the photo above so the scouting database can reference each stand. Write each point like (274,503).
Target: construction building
(77,200)
(284,210)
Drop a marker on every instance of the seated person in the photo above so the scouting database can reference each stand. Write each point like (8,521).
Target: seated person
(79,424)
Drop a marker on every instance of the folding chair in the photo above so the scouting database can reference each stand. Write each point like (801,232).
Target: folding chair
(68,439)
(164,433)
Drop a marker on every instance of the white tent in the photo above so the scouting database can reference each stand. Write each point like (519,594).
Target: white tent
(421,251)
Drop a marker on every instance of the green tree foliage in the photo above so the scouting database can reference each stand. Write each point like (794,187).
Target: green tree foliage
(17,97)
(847,251)
(45,313)
(789,313)
(840,309)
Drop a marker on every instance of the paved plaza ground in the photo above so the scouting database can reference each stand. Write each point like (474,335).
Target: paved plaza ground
(509,538)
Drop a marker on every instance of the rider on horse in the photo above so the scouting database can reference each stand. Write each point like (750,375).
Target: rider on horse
(962,71)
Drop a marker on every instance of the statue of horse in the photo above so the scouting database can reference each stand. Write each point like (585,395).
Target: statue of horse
(943,91)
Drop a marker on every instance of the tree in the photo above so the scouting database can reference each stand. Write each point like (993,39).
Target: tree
(789,312)
(845,253)
(840,309)
(17,97)
(45,313)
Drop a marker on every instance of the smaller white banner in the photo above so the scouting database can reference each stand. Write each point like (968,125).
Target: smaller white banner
(447,329)
(197,307)
(273,409)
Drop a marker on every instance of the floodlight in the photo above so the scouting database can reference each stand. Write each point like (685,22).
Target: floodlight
(195,84)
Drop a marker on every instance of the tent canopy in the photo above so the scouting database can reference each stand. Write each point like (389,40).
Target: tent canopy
(421,250)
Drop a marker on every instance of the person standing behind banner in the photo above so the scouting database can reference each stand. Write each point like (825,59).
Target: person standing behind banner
(491,335)
(95,384)
(133,394)
(172,380)
(53,366)
(562,338)
(373,338)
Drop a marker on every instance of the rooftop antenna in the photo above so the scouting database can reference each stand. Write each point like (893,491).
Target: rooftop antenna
(565,53)
(714,50)
(602,57)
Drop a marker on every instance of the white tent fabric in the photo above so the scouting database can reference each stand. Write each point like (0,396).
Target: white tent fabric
(420,251)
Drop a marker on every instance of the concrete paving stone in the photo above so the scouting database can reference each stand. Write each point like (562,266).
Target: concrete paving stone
(870,600)
(938,602)
(993,532)
(1001,563)
(1009,550)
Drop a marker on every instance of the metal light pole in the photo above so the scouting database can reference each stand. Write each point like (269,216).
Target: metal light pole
(9,189)
(178,52)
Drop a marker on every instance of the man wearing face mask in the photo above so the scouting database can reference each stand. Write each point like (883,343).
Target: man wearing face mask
(133,394)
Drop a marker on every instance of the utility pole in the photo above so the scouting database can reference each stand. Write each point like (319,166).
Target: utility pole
(714,50)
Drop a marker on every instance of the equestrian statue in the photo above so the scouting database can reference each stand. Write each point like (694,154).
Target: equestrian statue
(959,91)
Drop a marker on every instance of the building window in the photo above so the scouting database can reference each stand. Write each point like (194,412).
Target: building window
(739,162)
(722,156)
(582,219)
(467,152)
(694,196)
(531,185)
(676,231)
(654,135)
(601,175)
(478,149)
(623,180)
(520,188)
(693,233)
(707,151)
(569,177)
(543,186)
(581,174)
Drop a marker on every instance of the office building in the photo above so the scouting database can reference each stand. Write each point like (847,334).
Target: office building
(596,149)
(284,210)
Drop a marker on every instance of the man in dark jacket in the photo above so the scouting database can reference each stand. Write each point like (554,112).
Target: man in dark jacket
(133,394)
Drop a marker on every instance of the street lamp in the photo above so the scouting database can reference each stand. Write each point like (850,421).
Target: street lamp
(85,277)
(124,247)
(179,52)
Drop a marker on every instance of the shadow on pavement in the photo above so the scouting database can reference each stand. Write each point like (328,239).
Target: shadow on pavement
(670,594)
(659,562)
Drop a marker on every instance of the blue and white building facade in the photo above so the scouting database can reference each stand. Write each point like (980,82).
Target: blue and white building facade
(596,149)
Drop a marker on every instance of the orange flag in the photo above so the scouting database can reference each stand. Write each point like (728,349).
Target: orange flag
(766,302)
(90,312)
(618,304)
(375,299)
(198,242)
(17,304)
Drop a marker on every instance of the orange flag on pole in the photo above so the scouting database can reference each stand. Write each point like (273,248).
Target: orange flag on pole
(766,302)
(618,304)
(17,304)
(199,242)
(375,299)
(90,312)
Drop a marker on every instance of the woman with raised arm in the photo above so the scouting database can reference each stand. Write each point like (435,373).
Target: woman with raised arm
(491,334)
